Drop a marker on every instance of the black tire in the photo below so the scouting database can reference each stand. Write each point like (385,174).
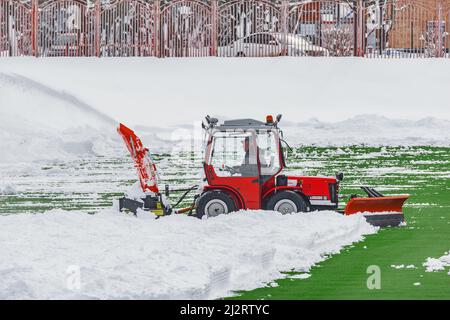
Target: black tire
(287,202)
(214,203)
(240,54)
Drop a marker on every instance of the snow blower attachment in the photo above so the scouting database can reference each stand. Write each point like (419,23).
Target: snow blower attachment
(154,200)
(147,174)
(243,169)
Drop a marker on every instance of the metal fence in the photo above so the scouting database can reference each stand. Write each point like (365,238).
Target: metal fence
(252,28)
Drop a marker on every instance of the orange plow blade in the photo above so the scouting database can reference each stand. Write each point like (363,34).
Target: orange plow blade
(379,211)
(381,204)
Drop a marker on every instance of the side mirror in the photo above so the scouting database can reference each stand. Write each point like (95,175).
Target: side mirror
(339,176)
(211,121)
(279,117)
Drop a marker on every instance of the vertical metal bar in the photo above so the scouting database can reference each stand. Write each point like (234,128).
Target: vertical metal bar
(97,27)
(395,38)
(359,41)
(412,30)
(439,32)
(132,31)
(40,34)
(102,46)
(9,25)
(214,27)
(149,23)
(8,32)
(18,28)
(109,31)
(284,12)
(5,27)
(3,36)
(121,23)
(157,31)
(1,28)
(447,37)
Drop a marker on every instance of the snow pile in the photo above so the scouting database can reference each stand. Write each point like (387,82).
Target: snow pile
(167,96)
(433,264)
(170,92)
(38,122)
(65,108)
(370,129)
(373,130)
(110,255)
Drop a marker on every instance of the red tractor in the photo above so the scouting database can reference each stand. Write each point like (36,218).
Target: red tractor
(243,169)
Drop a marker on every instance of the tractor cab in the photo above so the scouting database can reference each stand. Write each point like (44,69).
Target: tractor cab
(242,157)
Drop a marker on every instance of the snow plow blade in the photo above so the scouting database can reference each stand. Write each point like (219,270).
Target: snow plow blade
(379,210)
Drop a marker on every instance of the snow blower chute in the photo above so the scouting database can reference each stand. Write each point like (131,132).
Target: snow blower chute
(243,169)
(154,200)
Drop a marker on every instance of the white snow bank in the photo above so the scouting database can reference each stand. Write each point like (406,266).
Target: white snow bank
(370,129)
(173,257)
(65,108)
(38,122)
(163,92)
(439,264)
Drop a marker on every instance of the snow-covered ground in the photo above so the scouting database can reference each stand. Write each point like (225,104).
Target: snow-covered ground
(73,255)
(58,143)
(163,92)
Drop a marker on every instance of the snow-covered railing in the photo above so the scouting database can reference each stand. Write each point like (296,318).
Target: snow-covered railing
(197,28)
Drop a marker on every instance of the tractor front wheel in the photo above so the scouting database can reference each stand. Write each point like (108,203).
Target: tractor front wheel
(214,203)
(287,202)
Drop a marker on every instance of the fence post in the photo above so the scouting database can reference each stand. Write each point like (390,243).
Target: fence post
(1,34)
(360,37)
(284,22)
(439,31)
(97,28)
(34,28)
(156,31)
(214,27)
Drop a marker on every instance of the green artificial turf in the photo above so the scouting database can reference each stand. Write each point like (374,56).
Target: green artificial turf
(424,173)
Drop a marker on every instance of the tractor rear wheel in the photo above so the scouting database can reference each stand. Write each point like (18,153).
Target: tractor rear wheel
(214,203)
(287,202)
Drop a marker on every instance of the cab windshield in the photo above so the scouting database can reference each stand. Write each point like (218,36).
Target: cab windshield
(236,153)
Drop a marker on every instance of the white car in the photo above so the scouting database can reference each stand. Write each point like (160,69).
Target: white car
(265,44)
(300,46)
